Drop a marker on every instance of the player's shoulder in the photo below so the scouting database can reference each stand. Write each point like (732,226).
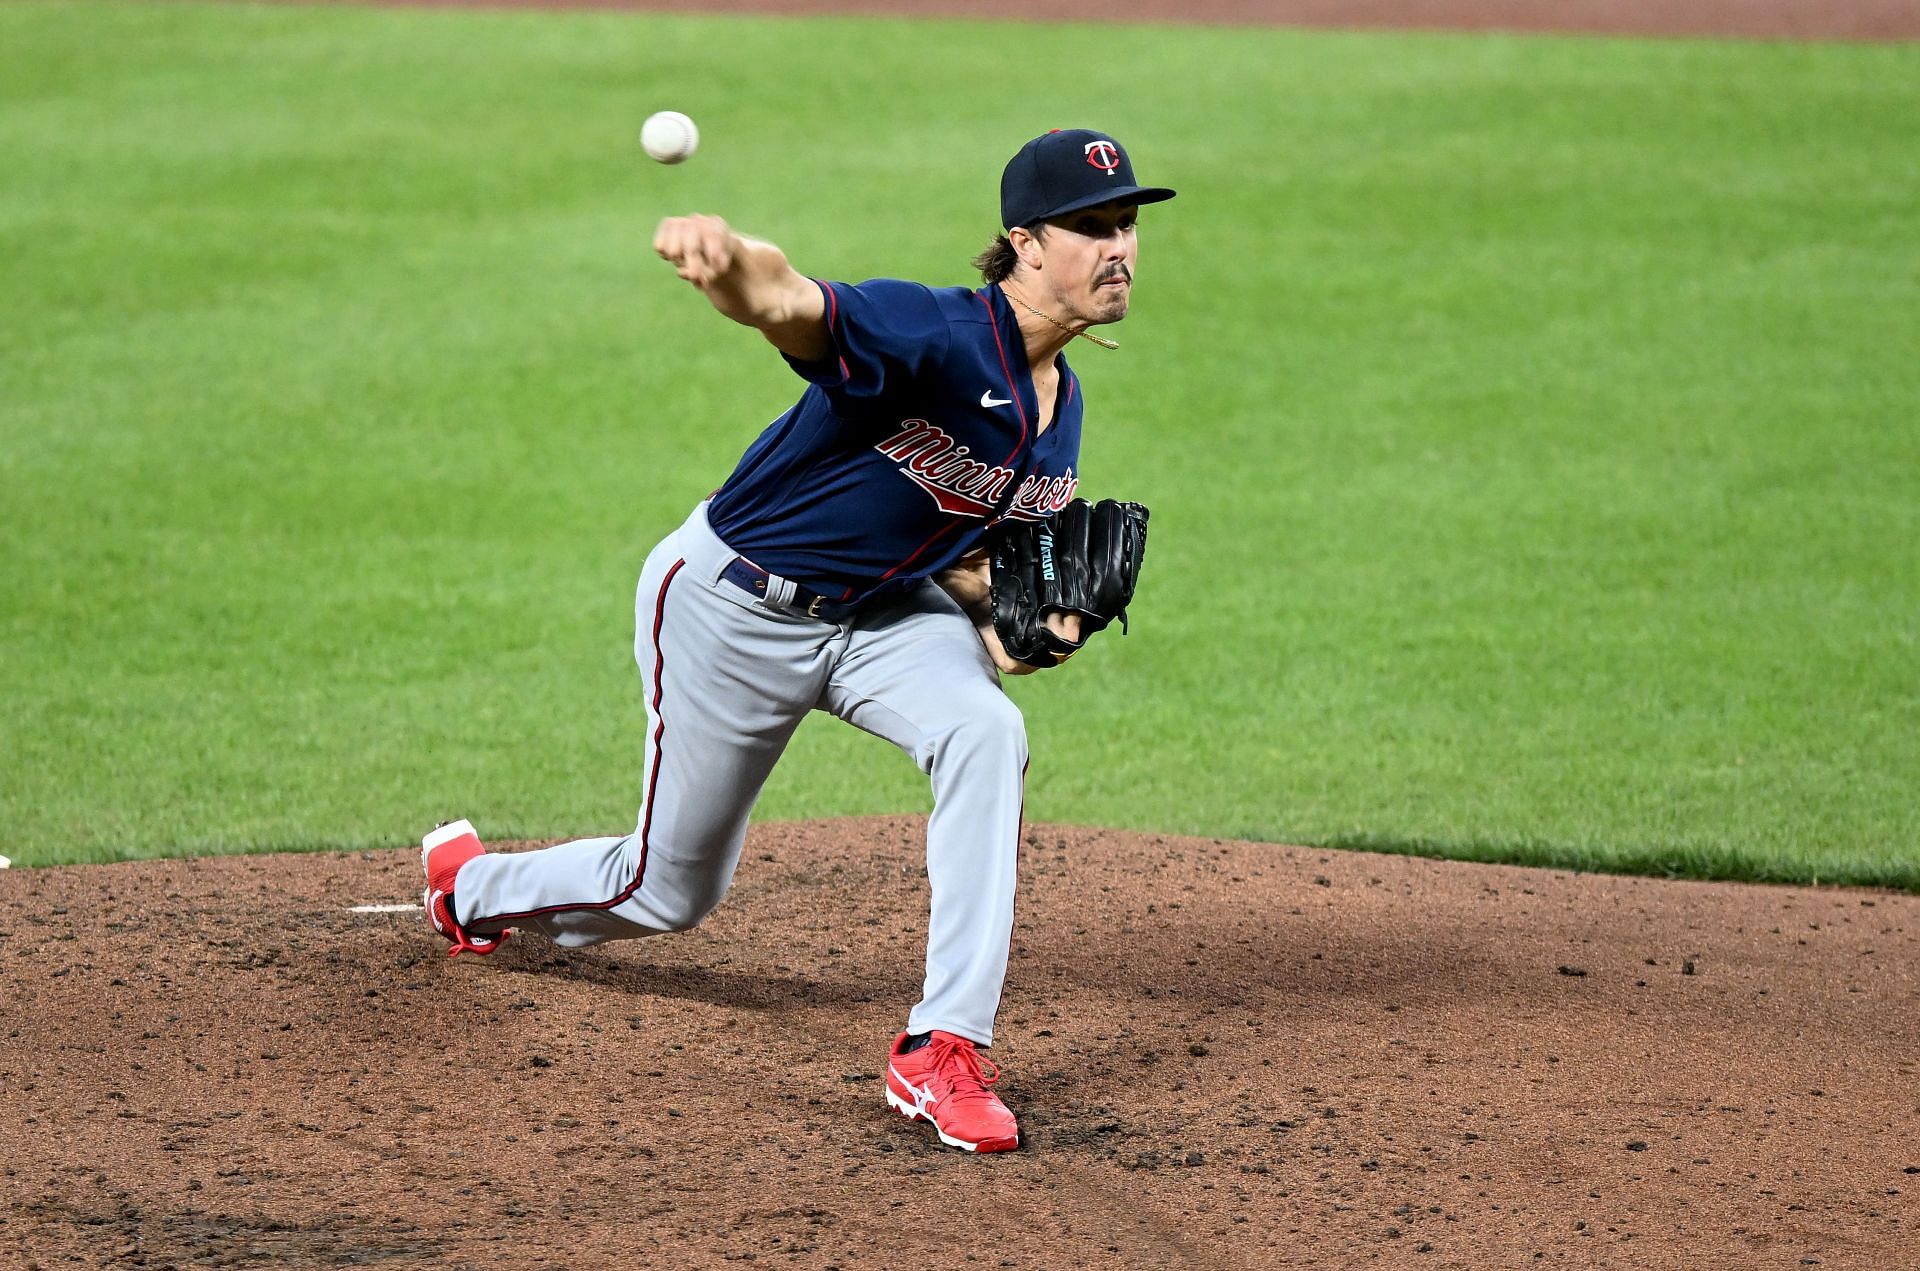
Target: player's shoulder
(893,300)
(891,289)
(961,304)
(910,305)
(954,302)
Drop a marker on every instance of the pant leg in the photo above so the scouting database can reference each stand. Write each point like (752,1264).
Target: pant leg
(916,674)
(726,682)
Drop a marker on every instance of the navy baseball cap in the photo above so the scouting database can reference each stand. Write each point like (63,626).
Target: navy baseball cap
(1064,171)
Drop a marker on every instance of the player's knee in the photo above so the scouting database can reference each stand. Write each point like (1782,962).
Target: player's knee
(993,726)
(686,919)
(695,908)
(680,900)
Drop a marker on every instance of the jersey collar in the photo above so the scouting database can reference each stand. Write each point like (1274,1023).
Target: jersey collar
(1014,341)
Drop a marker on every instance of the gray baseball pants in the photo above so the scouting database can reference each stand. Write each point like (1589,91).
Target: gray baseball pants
(728,677)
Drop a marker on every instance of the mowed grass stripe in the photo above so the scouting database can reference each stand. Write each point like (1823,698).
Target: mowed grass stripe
(1527,422)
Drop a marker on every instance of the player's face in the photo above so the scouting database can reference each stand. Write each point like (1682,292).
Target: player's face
(1089,259)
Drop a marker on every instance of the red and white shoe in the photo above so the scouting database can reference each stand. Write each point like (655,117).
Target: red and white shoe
(442,853)
(945,1082)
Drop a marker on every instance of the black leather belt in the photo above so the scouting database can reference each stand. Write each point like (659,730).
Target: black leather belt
(750,578)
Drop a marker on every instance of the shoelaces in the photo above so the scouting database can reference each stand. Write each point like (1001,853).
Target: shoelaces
(966,1070)
(464,943)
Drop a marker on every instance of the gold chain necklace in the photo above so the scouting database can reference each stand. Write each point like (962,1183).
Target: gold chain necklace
(1100,340)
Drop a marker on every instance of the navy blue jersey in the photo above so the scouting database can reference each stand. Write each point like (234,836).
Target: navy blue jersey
(916,432)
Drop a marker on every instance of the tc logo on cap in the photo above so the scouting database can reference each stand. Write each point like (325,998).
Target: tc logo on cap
(1061,172)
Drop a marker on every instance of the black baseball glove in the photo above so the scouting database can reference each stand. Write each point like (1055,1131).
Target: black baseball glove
(1083,560)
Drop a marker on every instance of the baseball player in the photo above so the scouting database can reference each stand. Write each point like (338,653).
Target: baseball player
(842,568)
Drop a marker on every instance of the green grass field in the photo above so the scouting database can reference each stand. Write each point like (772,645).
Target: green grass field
(1530,424)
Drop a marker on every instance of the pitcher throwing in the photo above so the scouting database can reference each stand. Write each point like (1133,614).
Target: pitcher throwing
(844,567)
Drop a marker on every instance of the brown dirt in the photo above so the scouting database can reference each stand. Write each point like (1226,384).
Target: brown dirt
(1224,1055)
(1761,19)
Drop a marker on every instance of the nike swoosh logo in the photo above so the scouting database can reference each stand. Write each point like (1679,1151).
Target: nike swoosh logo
(988,399)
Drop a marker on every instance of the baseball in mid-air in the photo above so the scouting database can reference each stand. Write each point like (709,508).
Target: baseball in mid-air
(669,136)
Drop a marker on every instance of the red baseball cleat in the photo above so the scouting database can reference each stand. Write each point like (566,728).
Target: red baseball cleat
(442,853)
(946,1082)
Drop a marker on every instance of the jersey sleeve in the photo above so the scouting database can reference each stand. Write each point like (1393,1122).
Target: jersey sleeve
(884,333)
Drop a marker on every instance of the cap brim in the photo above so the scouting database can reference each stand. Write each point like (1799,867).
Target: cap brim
(1133,195)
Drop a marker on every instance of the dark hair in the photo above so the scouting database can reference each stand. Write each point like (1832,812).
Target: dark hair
(996,264)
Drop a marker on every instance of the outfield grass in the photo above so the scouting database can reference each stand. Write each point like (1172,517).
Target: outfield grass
(1529,423)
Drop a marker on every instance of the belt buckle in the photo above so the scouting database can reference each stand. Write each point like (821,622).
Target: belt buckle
(813,606)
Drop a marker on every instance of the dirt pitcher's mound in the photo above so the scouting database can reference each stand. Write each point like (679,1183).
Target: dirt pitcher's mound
(1223,1054)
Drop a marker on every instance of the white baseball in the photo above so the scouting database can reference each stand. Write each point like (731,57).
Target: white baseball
(669,136)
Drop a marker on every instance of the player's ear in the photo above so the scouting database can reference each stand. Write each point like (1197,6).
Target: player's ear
(1026,245)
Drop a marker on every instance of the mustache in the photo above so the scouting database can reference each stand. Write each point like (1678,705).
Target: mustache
(1118,271)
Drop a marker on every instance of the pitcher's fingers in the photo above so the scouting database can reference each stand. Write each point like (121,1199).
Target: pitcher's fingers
(716,249)
(670,239)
